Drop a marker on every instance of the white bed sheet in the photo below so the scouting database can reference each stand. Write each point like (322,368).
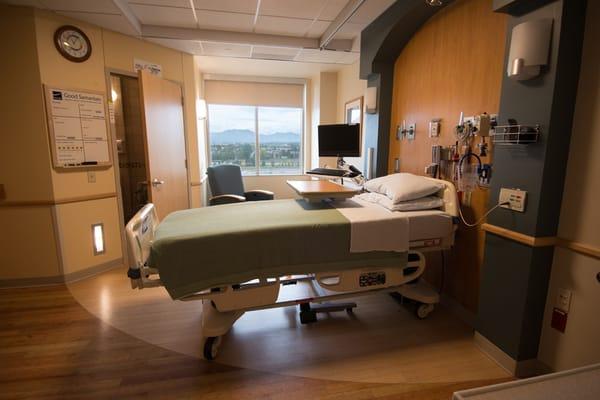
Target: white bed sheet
(375,228)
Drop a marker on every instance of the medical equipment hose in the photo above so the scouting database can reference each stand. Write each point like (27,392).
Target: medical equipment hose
(480,220)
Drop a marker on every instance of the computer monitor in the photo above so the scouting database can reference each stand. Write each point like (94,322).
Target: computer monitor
(339,140)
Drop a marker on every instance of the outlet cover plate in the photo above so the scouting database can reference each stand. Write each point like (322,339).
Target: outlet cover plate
(410,131)
(515,197)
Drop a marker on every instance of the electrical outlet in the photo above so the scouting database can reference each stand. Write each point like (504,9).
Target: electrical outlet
(434,128)
(563,300)
(399,133)
(91,175)
(515,198)
(410,131)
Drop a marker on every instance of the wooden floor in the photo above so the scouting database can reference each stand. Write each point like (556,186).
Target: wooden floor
(52,347)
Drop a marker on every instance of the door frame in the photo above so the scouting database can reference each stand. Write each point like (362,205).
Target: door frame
(115,154)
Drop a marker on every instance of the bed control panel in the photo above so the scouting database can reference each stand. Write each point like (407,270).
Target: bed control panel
(371,279)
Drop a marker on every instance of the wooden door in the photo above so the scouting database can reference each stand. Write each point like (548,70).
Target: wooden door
(162,119)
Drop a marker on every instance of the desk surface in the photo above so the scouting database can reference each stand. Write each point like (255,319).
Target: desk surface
(320,189)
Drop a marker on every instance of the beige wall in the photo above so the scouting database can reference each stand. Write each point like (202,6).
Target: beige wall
(35,60)
(350,87)
(579,220)
(27,238)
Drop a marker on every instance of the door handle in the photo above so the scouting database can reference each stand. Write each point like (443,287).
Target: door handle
(157,182)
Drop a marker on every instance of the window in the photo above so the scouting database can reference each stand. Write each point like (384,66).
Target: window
(236,131)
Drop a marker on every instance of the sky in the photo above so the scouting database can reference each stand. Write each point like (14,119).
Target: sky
(270,119)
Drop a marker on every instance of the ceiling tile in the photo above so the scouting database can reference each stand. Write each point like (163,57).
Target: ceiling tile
(188,46)
(238,6)
(274,53)
(282,26)
(316,55)
(370,10)
(225,21)
(169,3)
(96,6)
(332,9)
(164,16)
(112,22)
(226,49)
(307,9)
(317,29)
(349,30)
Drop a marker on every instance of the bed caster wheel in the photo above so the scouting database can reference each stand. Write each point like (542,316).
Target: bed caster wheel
(211,347)
(423,310)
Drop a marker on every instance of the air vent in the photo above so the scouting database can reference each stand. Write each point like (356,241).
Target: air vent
(278,57)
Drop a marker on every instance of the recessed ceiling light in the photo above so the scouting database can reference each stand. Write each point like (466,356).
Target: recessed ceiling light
(434,3)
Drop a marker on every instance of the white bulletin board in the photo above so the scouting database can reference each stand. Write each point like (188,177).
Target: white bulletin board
(78,128)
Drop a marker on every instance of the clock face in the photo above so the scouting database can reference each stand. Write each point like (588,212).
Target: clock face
(72,43)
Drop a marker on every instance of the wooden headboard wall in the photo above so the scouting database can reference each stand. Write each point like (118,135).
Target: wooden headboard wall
(453,63)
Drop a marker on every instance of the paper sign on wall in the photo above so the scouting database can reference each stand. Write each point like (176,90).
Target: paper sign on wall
(78,129)
(154,69)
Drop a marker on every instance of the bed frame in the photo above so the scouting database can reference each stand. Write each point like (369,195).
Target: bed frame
(223,305)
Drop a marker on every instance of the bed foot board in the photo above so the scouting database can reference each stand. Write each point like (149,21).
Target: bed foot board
(308,312)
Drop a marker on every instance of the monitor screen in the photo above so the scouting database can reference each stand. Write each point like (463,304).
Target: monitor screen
(340,140)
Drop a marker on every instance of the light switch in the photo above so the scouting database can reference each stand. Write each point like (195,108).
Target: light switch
(91,176)
(563,300)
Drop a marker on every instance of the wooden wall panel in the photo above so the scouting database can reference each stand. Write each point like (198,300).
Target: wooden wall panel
(453,63)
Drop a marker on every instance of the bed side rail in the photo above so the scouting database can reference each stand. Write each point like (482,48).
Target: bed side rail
(139,232)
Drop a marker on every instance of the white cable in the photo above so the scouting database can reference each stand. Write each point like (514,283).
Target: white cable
(480,219)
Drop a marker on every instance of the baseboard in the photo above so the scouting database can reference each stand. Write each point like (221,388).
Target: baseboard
(92,271)
(60,279)
(519,369)
(467,316)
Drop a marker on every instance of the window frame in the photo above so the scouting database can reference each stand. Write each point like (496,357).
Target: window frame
(257,137)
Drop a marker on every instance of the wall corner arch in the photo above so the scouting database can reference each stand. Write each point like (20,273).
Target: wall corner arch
(381,44)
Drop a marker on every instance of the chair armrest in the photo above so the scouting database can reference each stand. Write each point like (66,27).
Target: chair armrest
(254,195)
(225,199)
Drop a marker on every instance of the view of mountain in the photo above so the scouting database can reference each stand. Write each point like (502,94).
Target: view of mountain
(231,136)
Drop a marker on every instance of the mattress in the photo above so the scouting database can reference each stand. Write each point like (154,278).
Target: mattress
(201,248)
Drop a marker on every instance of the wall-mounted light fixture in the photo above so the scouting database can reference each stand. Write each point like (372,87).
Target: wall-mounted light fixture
(371,100)
(529,48)
(98,238)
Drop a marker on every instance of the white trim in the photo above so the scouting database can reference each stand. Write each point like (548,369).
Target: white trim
(463,394)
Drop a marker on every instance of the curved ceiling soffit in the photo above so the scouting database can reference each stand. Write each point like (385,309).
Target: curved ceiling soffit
(383,40)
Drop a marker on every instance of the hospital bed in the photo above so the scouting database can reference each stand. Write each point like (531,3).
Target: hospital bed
(235,258)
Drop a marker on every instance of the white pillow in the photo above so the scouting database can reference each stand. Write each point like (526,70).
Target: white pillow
(403,186)
(424,203)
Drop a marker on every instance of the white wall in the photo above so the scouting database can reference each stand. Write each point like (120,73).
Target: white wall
(579,219)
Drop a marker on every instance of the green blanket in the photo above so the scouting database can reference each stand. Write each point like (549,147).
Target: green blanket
(200,248)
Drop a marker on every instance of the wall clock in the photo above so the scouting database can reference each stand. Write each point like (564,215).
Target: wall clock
(72,43)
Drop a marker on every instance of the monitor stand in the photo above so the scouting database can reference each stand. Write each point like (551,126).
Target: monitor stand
(340,162)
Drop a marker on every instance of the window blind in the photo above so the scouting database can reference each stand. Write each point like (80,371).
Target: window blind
(254,93)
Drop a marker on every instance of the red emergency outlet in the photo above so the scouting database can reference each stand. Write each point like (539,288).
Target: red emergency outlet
(559,320)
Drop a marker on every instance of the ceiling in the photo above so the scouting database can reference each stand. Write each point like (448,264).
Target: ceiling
(289,30)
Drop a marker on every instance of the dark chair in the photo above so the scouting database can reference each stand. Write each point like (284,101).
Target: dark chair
(226,186)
